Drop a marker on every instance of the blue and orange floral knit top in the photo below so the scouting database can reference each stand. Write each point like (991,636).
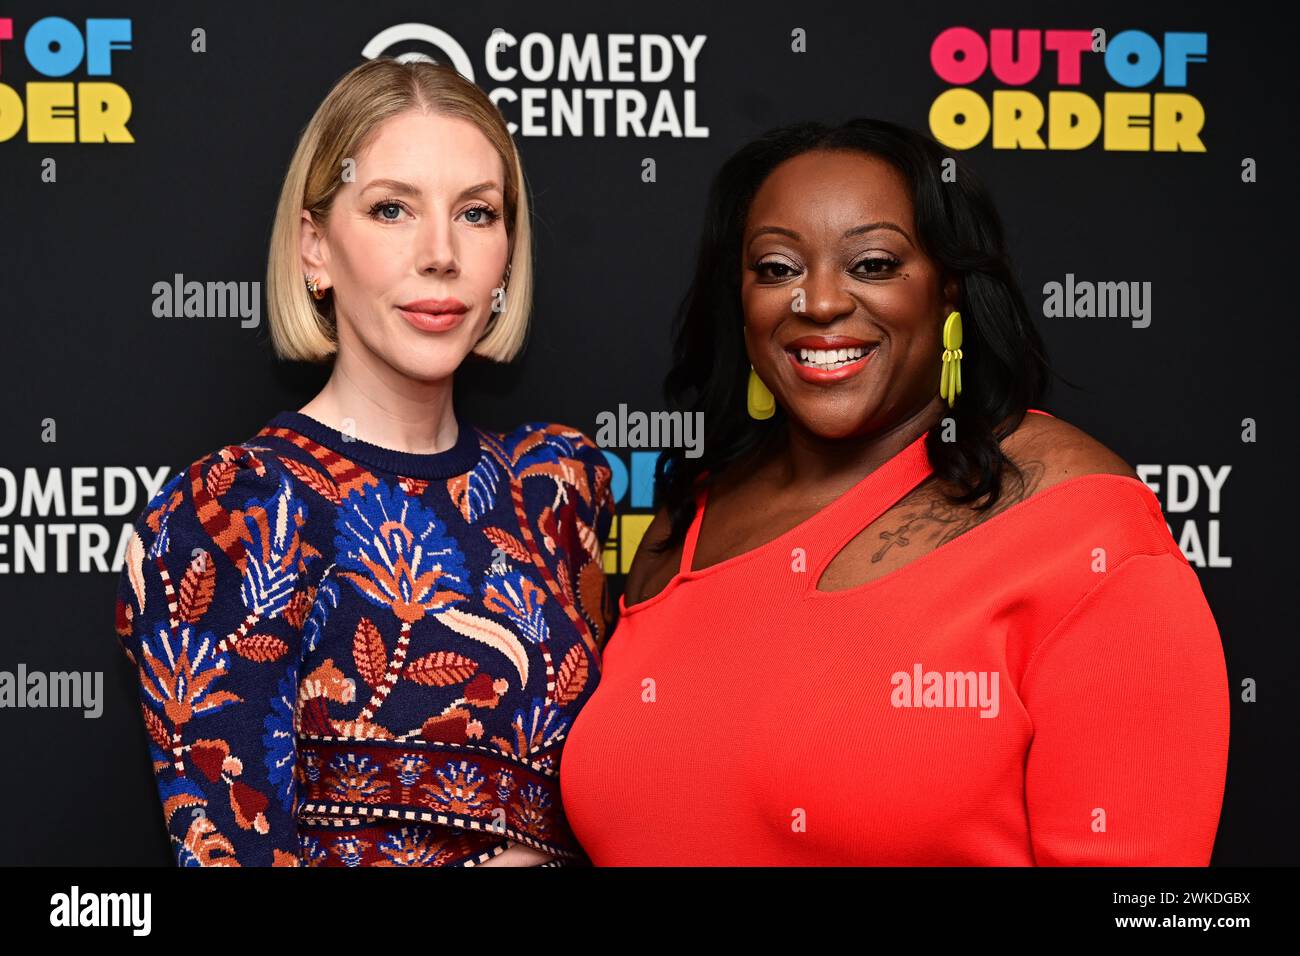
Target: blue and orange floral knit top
(350,655)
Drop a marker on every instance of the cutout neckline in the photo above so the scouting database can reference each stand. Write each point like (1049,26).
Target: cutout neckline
(908,467)
(905,469)
(911,465)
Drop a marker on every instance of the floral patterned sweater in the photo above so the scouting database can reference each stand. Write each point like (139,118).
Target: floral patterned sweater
(350,655)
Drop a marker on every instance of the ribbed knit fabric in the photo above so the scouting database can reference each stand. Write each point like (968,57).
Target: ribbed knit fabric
(1077,713)
(350,655)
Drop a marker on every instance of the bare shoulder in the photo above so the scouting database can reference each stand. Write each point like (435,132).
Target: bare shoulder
(1046,450)
(1052,450)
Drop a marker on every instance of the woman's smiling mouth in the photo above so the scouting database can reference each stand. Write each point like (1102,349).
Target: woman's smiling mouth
(829,358)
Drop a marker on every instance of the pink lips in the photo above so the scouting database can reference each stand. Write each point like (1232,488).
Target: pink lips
(434,315)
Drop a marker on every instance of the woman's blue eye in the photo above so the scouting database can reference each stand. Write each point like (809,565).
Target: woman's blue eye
(489,215)
(386,204)
(485,214)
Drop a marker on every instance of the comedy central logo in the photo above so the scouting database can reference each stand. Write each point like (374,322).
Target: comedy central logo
(638,85)
(452,53)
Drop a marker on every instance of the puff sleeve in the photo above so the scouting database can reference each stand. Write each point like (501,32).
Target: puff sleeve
(1129,700)
(210,607)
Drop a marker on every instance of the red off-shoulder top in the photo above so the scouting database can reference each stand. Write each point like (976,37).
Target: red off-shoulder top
(1048,688)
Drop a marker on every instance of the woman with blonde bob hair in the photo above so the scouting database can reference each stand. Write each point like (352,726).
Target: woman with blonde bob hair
(324,162)
(363,633)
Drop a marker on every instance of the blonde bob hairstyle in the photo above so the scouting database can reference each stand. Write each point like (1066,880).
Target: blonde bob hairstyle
(304,329)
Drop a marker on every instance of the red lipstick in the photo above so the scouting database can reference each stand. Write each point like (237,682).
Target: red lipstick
(823,359)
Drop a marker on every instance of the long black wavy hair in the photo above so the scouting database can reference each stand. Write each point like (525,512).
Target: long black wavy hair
(1004,363)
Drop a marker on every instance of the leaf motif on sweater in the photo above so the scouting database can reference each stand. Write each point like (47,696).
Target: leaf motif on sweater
(507,542)
(368,652)
(474,493)
(135,568)
(197,587)
(314,479)
(572,676)
(492,634)
(441,669)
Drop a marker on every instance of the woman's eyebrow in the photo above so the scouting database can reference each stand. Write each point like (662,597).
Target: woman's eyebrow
(855,231)
(394,186)
(883,224)
(480,188)
(409,189)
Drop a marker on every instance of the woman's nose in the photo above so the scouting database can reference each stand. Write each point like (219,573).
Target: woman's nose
(437,250)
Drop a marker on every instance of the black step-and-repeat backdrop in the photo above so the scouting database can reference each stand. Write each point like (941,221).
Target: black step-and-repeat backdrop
(143,148)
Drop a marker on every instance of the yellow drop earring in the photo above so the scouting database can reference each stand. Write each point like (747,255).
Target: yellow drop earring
(759,399)
(950,380)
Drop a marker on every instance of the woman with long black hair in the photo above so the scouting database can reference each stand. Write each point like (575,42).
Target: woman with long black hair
(888,617)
